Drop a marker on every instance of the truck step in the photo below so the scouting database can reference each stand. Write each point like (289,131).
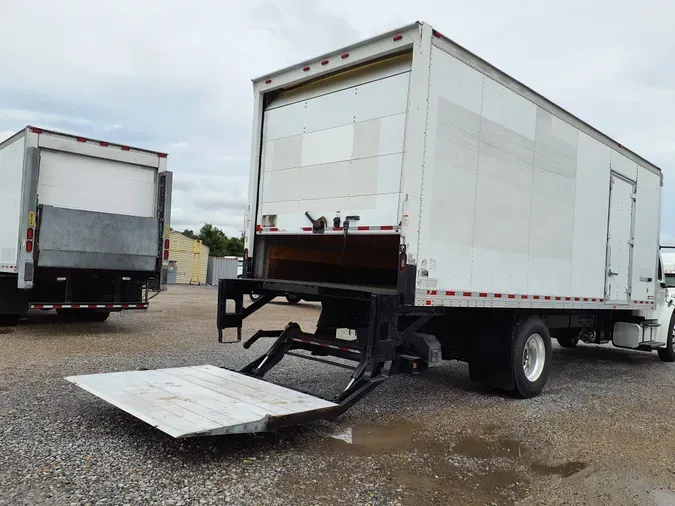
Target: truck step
(651,345)
(650,324)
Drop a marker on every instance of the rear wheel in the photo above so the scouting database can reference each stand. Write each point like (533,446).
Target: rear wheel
(531,357)
(567,338)
(667,354)
(292,299)
(99,316)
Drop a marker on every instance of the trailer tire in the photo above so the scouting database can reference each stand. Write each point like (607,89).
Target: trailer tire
(99,316)
(667,354)
(567,338)
(531,355)
(292,299)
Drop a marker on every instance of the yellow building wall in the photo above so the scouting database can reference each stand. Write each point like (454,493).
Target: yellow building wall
(191,257)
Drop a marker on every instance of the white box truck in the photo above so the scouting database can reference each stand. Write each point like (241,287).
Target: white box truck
(84,225)
(437,208)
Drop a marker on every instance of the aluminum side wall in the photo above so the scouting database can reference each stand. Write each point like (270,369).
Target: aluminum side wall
(514,199)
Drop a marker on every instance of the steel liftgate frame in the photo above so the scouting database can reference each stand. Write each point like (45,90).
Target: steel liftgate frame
(375,351)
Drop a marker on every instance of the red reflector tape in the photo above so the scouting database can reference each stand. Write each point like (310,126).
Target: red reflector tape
(482,294)
(511,296)
(498,295)
(427,303)
(432,292)
(524,297)
(362,228)
(36,130)
(81,139)
(104,144)
(437,34)
(387,227)
(306,229)
(467,294)
(397,37)
(161,155)
(450,294)
(125,148)
(274,229)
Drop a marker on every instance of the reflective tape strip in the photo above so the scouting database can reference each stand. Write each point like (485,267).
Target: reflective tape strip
(89,306)
(325,345)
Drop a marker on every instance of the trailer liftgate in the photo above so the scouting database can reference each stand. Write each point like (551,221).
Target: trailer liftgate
(207,400)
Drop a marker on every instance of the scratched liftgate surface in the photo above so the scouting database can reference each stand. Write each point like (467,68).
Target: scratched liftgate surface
(202,400)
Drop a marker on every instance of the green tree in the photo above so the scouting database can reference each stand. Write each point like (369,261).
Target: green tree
(189,233)
(215,239)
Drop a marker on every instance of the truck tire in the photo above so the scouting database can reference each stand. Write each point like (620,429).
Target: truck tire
(667,354)
(531,356)
(99,316)
(292,299)
(567,338)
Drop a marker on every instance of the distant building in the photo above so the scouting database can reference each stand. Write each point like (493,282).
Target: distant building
(191,259)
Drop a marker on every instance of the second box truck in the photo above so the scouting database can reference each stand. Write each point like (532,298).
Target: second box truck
(84,225)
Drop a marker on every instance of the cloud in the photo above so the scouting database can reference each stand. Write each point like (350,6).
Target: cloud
(175,75)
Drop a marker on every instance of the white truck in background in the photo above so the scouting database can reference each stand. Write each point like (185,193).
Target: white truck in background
(439,209)
(84,225)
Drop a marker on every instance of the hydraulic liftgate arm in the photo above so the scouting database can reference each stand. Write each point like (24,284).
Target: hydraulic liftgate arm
(375,348)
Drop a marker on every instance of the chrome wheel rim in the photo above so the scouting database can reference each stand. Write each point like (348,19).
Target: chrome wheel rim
(534,356)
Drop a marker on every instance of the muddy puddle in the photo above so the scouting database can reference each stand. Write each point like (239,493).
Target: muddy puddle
(482,467)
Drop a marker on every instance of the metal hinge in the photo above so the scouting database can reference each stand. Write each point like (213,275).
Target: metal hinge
(633,196)
(631,242)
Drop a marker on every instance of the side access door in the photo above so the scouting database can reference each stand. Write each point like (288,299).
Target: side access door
(619,240)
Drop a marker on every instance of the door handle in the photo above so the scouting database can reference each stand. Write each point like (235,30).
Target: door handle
(610,272)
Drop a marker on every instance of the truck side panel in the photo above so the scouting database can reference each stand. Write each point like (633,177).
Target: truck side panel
(514,198)
(11,176)
(646,235)
(590,225)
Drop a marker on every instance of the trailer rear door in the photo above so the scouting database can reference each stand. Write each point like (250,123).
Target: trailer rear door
(336,145)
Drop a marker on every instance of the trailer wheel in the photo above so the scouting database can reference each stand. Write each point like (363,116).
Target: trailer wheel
(667,354)
(531,356)
(99,316)
(568,338)
(292,299)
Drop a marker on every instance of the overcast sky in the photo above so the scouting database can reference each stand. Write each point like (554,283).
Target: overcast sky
(174,75)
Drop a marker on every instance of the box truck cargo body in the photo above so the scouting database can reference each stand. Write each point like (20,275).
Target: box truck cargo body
(83,224)
(438,209)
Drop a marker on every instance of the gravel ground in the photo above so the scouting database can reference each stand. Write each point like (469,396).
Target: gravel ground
(597,435)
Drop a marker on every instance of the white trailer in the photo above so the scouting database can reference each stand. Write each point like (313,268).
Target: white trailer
(84,224)
(441,210)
